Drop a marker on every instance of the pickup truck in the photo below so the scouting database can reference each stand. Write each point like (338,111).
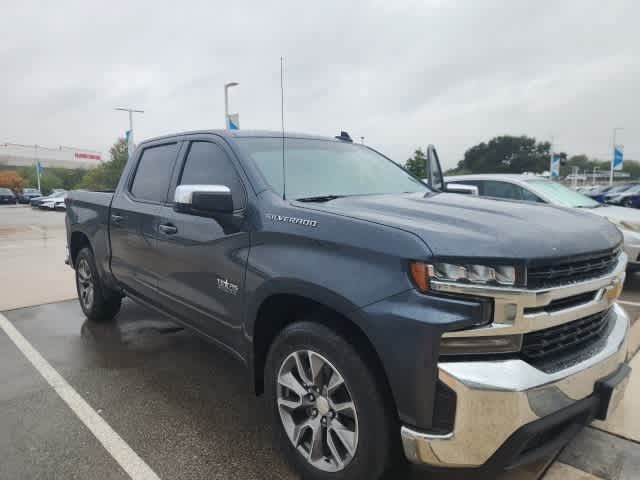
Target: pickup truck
(376,314)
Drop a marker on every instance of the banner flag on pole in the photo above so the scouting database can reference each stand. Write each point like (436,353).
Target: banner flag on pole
(233,121)
(130,145)
(38,168)
(618,158)
(554,170)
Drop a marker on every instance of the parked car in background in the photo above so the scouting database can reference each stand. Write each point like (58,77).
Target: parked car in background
(600,194)
(54,202)
(7,196)
(530,188)
(27,194)
(37,202)
(627,198)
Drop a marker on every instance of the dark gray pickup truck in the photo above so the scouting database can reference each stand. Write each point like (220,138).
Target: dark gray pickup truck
(376,314)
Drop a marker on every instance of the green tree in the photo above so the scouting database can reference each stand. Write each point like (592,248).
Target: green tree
(107,175)
(417,164)
(507,154)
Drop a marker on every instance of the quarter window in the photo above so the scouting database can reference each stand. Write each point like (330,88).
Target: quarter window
(153,174)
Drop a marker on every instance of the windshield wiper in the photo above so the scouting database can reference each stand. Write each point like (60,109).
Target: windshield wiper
(320,198)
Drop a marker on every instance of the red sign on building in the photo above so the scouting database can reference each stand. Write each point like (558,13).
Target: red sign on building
(89,156)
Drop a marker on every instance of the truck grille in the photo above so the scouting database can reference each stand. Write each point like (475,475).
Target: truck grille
(577,269)
(562,341)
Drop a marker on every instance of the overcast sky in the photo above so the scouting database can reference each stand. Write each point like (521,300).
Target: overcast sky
(401,73)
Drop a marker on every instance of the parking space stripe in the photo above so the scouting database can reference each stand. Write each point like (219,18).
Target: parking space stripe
(122,453)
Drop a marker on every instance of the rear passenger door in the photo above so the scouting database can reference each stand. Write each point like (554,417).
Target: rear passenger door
(204,258)
(134,219)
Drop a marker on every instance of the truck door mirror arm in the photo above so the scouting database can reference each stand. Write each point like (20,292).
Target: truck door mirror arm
(434,170)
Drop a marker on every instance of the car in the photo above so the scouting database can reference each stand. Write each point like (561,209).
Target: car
(27,194)
(54,203)
(375,313)
(629,197)
(7,196)
(532,188)
(602,194)
(38,201)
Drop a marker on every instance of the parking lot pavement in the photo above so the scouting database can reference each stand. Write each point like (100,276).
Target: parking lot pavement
(184,407)
(32,249)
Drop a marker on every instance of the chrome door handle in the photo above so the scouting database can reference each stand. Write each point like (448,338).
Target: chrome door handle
(117,218)
(168,229)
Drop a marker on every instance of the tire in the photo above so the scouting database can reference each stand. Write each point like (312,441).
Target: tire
(98,303)
(370,437)
(627,202)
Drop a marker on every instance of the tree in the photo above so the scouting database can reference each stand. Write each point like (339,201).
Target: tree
(107,175)
(507,154)
(417,164)
(12,179)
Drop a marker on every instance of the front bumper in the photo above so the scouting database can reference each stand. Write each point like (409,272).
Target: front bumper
(503,404)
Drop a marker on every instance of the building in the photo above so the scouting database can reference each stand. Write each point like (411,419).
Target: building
(16,155)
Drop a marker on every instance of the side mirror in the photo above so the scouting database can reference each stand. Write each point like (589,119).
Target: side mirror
(434,170)
(462,188)
(203,199)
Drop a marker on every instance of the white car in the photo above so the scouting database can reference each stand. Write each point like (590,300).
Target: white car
(56,203)
(531,188)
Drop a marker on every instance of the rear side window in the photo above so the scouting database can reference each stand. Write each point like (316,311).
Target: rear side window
(208,164)
(153,174)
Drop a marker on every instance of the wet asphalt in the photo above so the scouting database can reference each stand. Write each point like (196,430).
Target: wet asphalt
(182,405)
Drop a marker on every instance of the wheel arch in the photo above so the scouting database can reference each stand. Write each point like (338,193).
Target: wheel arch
(281,307)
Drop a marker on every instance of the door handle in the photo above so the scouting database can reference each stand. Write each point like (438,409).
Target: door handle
(117,218)
(168,229)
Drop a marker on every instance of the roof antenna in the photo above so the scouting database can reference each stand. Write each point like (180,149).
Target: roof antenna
(284,172)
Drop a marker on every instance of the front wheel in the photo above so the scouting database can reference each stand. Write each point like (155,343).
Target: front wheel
(331,418)
(97,302)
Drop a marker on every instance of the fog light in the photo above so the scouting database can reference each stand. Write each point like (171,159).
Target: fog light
(476,345)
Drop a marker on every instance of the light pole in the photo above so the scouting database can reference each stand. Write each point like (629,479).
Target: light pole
(227,86)
(130,144)
(613,152)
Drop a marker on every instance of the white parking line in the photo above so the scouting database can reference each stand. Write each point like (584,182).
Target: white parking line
(110,440)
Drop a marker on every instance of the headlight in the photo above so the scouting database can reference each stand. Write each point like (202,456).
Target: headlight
(634,227)
(422,273)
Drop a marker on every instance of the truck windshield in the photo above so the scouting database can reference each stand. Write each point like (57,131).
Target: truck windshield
(561,195)
(325,169)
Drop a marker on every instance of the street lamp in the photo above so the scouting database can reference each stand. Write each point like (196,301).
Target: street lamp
(227,86)
(130,144)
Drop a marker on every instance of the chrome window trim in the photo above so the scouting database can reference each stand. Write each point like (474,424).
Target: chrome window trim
(509,315)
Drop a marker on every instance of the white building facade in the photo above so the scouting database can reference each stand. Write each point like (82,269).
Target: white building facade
(16,155)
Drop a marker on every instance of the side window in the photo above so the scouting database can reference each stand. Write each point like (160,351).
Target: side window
(505,190)
(153,173)
(208,164)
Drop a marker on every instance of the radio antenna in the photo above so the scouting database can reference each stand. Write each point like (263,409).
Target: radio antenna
(284,171)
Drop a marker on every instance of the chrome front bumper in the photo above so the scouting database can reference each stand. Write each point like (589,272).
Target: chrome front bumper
(495,398)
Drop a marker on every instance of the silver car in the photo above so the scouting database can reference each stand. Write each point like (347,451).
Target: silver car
(531,188)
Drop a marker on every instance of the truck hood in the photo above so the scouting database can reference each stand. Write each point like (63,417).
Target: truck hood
(454,225)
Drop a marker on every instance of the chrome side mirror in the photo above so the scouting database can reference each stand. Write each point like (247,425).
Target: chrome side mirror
(462,188)
(203,199)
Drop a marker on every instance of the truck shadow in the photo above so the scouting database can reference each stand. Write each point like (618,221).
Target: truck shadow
(201,391)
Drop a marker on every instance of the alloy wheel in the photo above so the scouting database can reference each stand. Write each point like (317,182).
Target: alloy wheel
(317,410)
(86,286)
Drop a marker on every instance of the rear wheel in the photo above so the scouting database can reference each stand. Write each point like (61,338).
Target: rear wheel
(331,419)
(98,303)
(627,202)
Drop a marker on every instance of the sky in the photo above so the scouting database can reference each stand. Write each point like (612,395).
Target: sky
(400,73)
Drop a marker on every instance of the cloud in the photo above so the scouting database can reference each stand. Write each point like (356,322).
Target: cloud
(402,74)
